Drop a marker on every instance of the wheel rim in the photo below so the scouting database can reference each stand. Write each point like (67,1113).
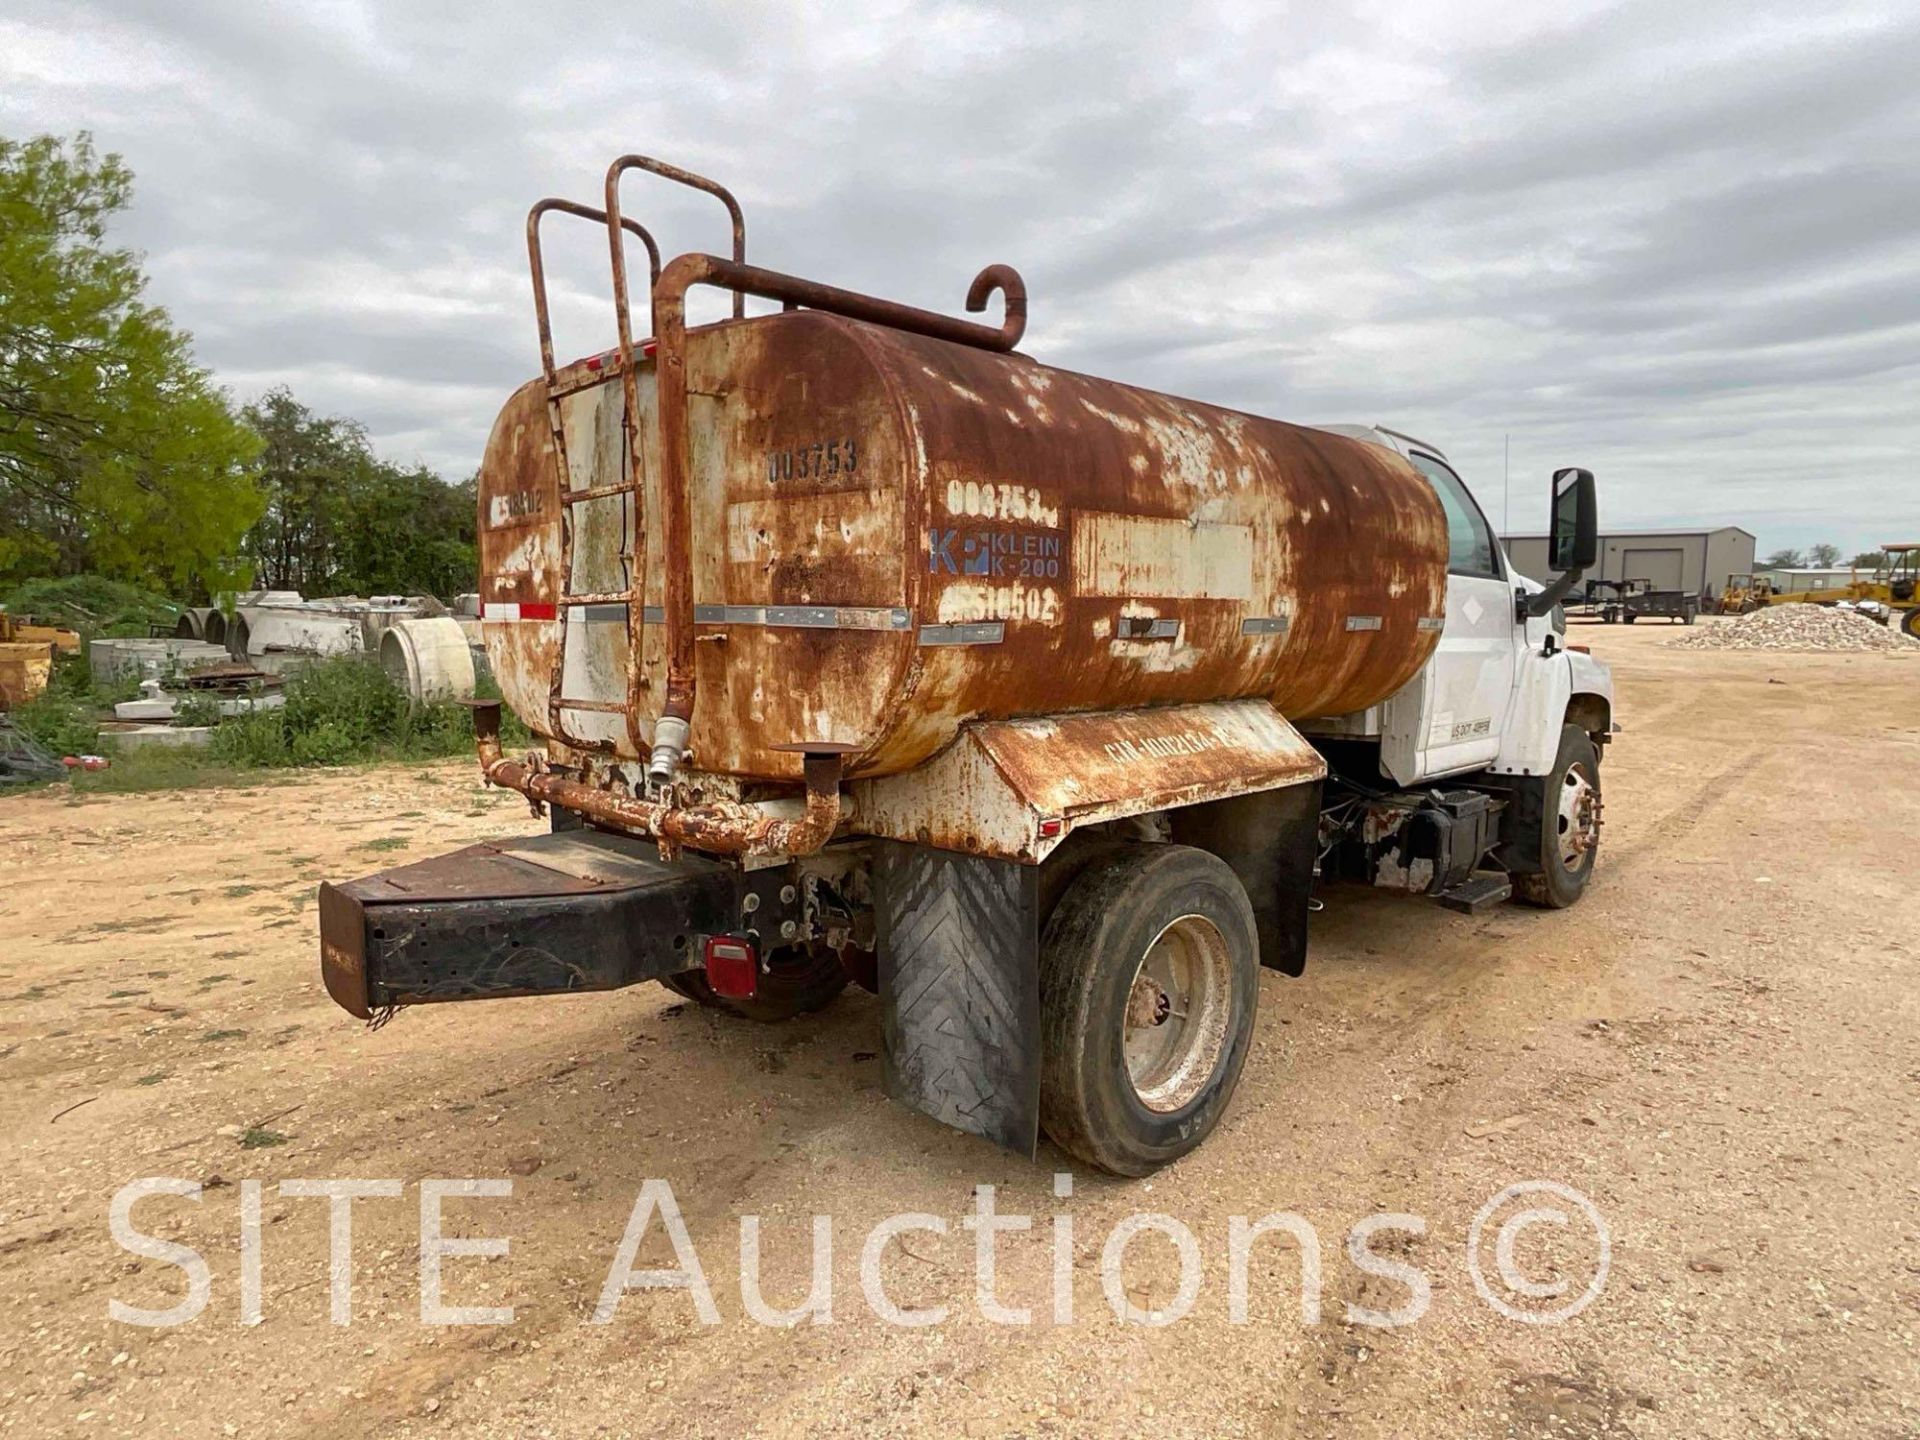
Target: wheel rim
(1175,1024)
(1579,820)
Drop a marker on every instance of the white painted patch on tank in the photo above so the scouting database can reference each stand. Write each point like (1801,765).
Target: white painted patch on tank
(1156,657)
(1188,456)
(538,550)
(1130,555)
(964,602)
(1118,421)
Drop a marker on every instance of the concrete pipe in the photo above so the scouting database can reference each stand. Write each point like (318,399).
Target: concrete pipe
(192,624)
(428,659)
(239,633)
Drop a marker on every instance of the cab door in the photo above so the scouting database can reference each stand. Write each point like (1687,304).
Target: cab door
(1451,718)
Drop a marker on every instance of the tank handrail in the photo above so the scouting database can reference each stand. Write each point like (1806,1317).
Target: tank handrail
(537,265)
(629,362)
(670,336)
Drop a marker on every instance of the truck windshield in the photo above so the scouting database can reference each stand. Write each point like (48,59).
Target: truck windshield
(1470,548)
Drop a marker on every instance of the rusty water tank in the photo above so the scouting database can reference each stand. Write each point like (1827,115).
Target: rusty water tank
(895,534)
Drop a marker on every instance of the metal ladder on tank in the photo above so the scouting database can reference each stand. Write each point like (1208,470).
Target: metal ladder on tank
(630,487)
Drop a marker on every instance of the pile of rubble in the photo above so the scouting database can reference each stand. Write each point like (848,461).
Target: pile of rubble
(1798,627)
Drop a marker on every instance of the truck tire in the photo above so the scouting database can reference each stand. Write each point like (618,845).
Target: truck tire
(1149,982)
(795,981)
(1910,624)
(1569,827)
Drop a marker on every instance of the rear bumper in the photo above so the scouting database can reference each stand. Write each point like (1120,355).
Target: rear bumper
(535,915)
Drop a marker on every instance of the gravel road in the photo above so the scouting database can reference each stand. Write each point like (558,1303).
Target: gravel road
(1719,1048)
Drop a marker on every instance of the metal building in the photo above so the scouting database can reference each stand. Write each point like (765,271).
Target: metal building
(1696,560)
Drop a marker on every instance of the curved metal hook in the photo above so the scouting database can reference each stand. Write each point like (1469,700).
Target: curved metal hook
(536,264)
(1005,279)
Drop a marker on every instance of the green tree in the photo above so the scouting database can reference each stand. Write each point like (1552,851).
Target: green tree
(1869,559)
(1823,555)
(1788,559)
(340,520)
(117,453)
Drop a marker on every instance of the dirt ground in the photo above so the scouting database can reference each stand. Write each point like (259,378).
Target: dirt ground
(1720,1048)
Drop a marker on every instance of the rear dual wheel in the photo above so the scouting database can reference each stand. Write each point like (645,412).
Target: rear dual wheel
(1149,983)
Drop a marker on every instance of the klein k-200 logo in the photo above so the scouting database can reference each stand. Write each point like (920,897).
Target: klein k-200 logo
(1008,554)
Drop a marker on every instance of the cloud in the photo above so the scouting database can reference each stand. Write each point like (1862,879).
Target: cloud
(1671,242)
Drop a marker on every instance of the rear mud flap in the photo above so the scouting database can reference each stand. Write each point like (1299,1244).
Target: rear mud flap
(1271,839)
(960,985)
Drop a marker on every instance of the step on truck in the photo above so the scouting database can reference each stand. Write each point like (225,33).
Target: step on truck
(861,648)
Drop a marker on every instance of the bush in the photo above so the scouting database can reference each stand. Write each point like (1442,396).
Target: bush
(345,710)
(93,605)
(64,719)
(341,711)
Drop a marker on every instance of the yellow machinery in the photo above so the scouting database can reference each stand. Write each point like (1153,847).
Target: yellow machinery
(1745,594)
(1893,590)
(26,657)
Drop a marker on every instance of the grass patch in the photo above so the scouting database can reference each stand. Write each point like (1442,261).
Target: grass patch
(338,711)
(154,1079)
(213,1035)
(386,842)
(158,767)
(125,994)
(256,1138)
(234,892)
(121,927)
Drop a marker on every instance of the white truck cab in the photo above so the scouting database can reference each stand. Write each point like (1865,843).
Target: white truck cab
(1502,682)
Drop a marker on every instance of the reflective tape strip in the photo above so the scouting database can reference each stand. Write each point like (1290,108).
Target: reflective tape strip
(730,614)
(1266,625)
(612,614)
(1433,622)
(517,610)
(988,632)
(806,617)
(1363,622)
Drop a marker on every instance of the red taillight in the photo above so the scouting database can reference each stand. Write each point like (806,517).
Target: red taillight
(733,967)
(1051,826)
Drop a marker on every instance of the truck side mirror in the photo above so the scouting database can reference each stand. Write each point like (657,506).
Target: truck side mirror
(1575,541)
(1576,520)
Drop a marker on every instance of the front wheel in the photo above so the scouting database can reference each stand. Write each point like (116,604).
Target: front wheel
(1910,624)
(1149,982)
(1569,826)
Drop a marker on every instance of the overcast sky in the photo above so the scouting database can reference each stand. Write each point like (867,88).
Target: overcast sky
(1678,243)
